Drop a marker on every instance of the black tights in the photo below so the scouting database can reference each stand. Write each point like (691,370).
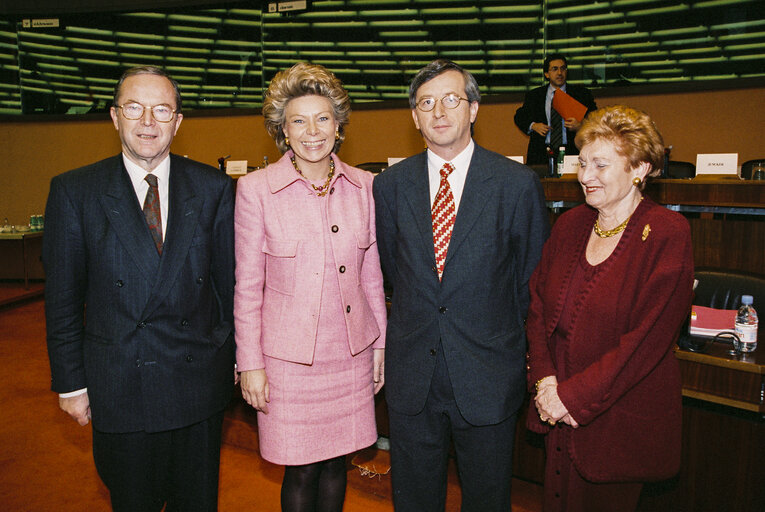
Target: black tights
(317,487)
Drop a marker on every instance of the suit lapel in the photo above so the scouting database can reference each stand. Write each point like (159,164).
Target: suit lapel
(475,195)
(183,213)
(418,195)
(124,213)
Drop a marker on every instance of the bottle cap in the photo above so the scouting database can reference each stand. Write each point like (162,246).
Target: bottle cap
(747,300)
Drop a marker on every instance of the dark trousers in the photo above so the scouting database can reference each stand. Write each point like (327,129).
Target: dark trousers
(420,448)
(143,471)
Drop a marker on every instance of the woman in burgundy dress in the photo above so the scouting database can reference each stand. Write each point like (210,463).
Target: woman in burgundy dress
(608,300)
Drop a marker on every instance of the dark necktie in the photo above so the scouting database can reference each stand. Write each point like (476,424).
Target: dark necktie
(443,214)
(556,130)
(152,212)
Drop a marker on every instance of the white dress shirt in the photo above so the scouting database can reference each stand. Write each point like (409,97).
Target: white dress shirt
(456,179)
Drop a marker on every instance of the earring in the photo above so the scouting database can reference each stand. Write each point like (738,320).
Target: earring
(337,135)
(287,141)
(636,181)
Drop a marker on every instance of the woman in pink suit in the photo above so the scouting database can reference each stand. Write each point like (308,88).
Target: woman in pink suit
(608,299)
(309,306)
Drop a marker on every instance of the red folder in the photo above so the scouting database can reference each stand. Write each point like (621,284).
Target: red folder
(709,321)
(567,106)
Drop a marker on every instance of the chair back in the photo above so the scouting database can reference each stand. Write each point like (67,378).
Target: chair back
(676,169)
(722,289)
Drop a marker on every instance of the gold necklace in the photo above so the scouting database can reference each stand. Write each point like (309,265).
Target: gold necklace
(611,232)
(321,190)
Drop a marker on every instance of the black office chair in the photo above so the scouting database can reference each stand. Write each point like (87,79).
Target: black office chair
(746,168)
(373,167)
(722,289)
(676,170)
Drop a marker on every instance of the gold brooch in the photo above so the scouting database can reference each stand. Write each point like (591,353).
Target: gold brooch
(646,231)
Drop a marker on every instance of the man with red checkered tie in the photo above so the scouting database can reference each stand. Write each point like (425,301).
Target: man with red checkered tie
(459,230)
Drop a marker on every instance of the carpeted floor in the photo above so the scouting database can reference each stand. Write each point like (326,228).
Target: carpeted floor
(45,457)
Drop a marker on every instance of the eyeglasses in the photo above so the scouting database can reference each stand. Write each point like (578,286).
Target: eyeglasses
(161,113)
(449,101)
(556,68)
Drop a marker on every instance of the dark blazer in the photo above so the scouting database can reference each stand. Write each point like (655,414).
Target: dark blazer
(533,111)
(619,377)
(149,336)
(477,311)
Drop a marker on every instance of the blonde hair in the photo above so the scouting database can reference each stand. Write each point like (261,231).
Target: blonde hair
(632,132)
(304,79)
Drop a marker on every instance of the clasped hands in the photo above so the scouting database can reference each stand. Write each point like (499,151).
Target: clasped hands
(549,406)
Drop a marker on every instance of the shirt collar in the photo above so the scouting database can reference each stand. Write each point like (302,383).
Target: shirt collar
(461,161)
(138,173)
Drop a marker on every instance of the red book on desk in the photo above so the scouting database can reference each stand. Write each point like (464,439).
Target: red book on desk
(567,106)
(709,321)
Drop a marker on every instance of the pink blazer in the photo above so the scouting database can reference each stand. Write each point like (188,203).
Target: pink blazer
(280,263)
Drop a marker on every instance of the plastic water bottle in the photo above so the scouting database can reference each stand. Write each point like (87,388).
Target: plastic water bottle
(559,161)
(746,324)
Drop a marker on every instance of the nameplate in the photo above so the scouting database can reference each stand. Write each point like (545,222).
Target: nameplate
(518,159)
(392,161)
(570,164)
(236,167)
(717,163)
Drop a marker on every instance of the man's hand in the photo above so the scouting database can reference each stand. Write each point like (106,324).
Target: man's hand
(571,123)
(540,128)
(255,389)
(78,407)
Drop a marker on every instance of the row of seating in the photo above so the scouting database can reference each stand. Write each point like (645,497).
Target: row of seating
(675,169)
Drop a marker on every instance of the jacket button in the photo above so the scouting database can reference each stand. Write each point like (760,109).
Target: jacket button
(432,351)
(442,309)
(141,325)
(434,269)
(332,190)
(348,308)
(138,363)
(342,269)
(335,229)
(119,283)
(189,358)
(184,322)
(200,280)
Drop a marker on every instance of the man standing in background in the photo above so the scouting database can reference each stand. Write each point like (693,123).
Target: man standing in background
(138,254)
(537,118)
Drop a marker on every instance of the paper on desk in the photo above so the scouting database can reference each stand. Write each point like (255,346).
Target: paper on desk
(567,106)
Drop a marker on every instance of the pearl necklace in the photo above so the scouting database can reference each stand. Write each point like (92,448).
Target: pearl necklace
(321,190)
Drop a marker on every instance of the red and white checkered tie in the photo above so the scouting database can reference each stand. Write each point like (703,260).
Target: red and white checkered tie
(443,214)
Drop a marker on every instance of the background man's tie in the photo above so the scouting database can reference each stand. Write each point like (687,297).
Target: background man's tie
(556,132)
(443,215)
(152,212)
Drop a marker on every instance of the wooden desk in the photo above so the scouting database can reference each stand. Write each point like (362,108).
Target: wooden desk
(716,376)
(20,256)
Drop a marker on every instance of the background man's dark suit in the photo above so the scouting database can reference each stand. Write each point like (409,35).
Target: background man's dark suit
(150,337)
(476,313)
(533,111)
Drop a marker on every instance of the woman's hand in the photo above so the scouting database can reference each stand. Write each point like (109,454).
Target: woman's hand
(379,369)
(549,405)
(255,389)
